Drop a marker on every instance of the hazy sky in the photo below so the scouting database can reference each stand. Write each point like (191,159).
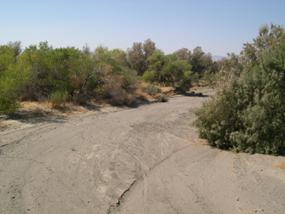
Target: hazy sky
(219,26)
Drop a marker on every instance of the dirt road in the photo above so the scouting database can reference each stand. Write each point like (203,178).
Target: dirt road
(145,160)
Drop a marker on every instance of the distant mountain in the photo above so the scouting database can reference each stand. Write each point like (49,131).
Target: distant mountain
(217,58)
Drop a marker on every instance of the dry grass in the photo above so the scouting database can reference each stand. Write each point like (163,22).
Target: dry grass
(28,105)
(35,110)
(47,108)
(167,90)
(140,91)
(279,165)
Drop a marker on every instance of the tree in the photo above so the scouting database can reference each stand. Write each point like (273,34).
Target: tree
(169,70)
(200,61)
(136,58)
(9,54)
(138,55)
(148,48)
(178,74)
(120,57)
(183,54)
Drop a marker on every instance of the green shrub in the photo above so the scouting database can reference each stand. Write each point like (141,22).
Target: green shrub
(169,70)
(8,96)
(149,76)
(218,119)
(162,98)
(11,82)
(114,91)
(152,90)
(58,98)
(250,114)
(11,78)
(129,80)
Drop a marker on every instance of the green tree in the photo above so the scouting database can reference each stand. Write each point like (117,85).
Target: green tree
(148,48)
(136,58)
(200,61)
(8,55)
(138,55)
(177,73)
(183,54)
(169,70)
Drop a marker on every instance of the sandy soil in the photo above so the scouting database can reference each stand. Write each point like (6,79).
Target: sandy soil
(143,160)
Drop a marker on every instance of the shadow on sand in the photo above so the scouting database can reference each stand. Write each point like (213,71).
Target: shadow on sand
(36,116)
(194,94)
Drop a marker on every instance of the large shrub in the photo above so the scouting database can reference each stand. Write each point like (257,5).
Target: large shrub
(152,90)
(58,98)
(12,77)
(55,70)
(169,70)
(249,115)
(8,93)
(117,82)
(11,82)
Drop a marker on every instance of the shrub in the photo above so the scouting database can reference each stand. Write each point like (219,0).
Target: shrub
(152,90)
(8,96)
(162,98)
(249,115)
(129,78)
(217,119)
(11,81)
(114,91)
(149,76)
(58,98)
(11,78)
(169,70)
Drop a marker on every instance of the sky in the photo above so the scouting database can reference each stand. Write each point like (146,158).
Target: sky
(218,26)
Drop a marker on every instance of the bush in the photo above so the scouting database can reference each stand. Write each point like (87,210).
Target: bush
(169,70)
(217,119)
(149,76)
(250,114)
(162,98)
(11,81)
(152,90)
(114,91)
(84,74)
(8,96)
(58,98)
(11,77)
